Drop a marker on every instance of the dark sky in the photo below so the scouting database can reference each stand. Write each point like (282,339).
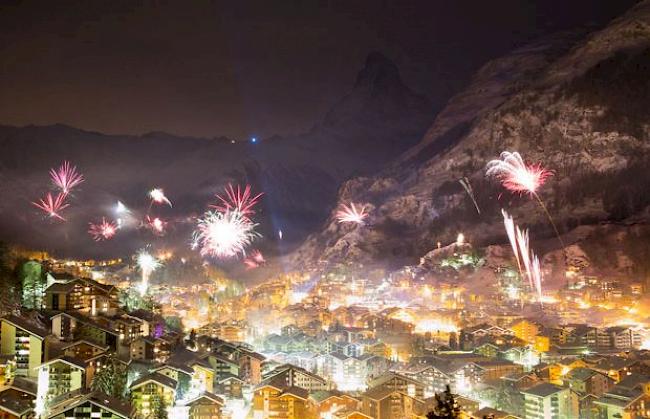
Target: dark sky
(243,68)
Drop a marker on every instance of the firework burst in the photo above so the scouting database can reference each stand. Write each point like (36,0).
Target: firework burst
(515,175)
(66,177)
(105,230)
(351,214)
(255,260)
(224,234)
(51,205)
(518,177)
(156,225)
(147,265)
(157,196)
(237,199)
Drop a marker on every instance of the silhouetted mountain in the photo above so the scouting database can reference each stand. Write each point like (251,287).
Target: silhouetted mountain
(299,174)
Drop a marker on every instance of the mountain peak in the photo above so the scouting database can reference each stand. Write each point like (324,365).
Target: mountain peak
(378,97)
(378,72)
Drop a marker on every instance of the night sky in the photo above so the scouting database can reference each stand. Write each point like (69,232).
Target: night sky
(246,68)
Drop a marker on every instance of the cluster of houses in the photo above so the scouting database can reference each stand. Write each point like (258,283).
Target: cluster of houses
(68,359)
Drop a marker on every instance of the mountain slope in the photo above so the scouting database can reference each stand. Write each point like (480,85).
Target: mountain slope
(582,108)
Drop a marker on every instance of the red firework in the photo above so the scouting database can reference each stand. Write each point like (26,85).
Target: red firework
(66,177)
(52,205)
(237,199)
(102,231)
(517,176)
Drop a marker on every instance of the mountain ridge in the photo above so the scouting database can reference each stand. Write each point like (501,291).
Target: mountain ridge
(568,120)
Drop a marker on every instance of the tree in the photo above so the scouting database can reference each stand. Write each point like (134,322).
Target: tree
(183,387)
(111,378)
(174,323)
(158,408)
(453,341)
(10,282)
(191,341)
(446,407)
(34,282)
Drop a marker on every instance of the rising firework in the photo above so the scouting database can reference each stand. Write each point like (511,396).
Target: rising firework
(351,214)
(66,177)
(536,273)
(518,177)
(224,234)
(52,205)
(157,196)
(523,243)
(122,215)
(237,200)
(520,242)
(147,265)
(470,191)
(121,209)
(102,231)
(509,224)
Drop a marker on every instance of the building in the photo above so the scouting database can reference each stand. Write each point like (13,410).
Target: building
(145,389)
(384,403)
(65,375)
(205,406)
(72,326)
(329,402)
(82,294)
(25,341)
(548,401)
(250,366)
(398,382)
(16,403)
(129,328)
(92,405)
(293,376)
(275,399)
(525,330)
(84,350)
(588,381)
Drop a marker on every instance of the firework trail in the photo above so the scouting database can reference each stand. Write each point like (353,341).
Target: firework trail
(520,242)
(123,215)
(52,205)
(280,234)
(66,177)
(518,177)
(224,234)
(102,231)
(470,191)
(536,273)
(239,200)
(147,265)
(509,224)
(523,243)
(351,214)
(157,196)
